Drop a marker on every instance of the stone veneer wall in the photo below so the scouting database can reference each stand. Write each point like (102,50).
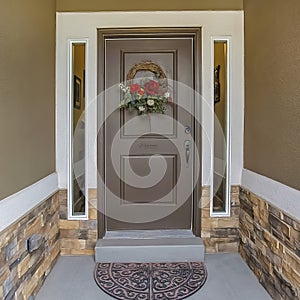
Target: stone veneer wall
(78,237)
(23,273)
(270,244)
(220,234)
(269,241)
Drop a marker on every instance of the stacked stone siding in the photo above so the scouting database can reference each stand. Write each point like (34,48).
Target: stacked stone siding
(270,244)
(220,234)
(78,237)
(267,238)
(23,273)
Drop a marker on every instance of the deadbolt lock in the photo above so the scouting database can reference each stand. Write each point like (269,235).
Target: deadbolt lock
(187,130)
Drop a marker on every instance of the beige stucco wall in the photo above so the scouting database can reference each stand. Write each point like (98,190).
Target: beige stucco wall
(272,103)
(134,5)
(27,93)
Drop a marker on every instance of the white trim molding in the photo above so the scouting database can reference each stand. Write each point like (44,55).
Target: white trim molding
(227,135)
(274,192)
(17,205)
(71,134)
(212,23)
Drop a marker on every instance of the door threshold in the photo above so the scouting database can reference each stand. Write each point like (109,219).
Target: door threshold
(149,234)
(155,250)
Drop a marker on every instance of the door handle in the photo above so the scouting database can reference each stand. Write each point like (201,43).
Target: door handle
(187,146)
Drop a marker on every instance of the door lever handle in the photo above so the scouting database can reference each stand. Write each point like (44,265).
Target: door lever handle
(187,146)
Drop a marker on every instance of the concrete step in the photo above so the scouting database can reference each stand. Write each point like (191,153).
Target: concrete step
(149,250)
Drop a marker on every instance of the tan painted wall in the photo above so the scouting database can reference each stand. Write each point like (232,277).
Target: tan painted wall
(27,86)
(128,5)
(272,107)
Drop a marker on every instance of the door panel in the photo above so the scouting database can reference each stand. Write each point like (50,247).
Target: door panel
(145,156)
(152,190)
(158,123)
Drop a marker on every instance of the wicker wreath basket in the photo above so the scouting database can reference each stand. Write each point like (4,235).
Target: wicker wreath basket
(146,66)
(148,95)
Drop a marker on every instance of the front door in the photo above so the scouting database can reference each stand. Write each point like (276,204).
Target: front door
(149,158)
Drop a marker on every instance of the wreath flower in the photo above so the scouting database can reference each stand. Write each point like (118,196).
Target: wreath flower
(151,87)
(147,96)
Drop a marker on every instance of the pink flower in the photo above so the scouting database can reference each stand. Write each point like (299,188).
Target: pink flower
(134,88)
(151,87)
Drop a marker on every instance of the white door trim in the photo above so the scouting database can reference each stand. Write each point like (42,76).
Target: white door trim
(213,23)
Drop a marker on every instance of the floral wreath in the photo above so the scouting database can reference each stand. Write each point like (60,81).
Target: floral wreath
(149,95)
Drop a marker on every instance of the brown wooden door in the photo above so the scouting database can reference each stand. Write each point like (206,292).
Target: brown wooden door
(148,166)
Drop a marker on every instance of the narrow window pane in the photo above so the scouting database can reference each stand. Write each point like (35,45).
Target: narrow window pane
(78,129)
(220,176)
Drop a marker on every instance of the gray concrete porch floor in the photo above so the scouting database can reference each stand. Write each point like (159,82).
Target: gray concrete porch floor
(228,278)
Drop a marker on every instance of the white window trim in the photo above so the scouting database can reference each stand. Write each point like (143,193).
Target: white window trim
(71,216)
(226,212)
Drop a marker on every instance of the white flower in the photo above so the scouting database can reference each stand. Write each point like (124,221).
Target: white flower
(141,108)
(122,87)
(167,94)
(150,102)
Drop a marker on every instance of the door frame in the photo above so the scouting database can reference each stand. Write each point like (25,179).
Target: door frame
(103,34)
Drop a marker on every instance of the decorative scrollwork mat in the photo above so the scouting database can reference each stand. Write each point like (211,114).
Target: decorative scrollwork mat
(150,281)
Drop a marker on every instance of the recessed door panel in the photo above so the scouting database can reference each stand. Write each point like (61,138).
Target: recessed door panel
(141,186)
(154,123)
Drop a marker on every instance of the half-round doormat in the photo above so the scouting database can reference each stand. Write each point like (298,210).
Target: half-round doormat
(150,281)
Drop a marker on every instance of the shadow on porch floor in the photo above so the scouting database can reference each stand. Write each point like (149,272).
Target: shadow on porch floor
(228,278)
